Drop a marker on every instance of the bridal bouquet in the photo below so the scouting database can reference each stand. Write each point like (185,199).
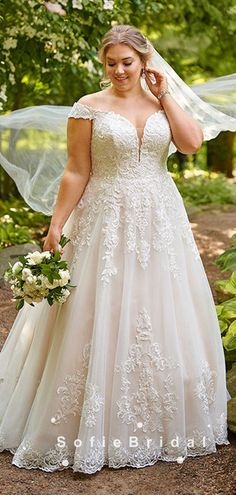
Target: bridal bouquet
(39,275)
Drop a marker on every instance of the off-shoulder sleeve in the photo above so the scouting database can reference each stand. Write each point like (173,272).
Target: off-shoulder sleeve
(81,111)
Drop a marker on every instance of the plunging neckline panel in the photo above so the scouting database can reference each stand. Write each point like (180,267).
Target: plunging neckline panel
(112,112)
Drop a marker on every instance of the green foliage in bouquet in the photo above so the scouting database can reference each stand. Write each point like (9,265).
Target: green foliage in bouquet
(226,312)
(37,276)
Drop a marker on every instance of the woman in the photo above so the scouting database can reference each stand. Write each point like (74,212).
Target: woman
(131,368)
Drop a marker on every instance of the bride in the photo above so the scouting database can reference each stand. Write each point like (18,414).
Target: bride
(130,370)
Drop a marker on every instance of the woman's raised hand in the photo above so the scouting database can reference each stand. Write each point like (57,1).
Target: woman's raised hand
(160,79)
(51,242)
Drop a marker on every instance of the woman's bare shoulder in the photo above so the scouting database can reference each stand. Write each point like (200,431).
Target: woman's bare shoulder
(92,99)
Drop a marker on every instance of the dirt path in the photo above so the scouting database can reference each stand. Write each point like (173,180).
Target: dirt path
(207,475)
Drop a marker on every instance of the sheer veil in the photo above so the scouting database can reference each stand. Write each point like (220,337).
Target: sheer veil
(33,139)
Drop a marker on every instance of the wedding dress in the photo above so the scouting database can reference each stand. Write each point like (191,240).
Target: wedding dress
(130,370)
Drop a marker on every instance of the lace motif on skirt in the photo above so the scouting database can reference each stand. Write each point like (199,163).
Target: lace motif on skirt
(154,401)
(138,454)
(151,218)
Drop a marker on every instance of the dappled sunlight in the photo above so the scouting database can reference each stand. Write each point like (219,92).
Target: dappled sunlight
(215,248)
(212,240)
(213,229)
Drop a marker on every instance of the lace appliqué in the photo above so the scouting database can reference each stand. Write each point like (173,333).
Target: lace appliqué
(92,405)
(56,458)
(130,193)
(71,393)
(78,397)
(145,452)
(80,111)
(154,401)
(142,452)
(206,386)
(220,429)
(140,214)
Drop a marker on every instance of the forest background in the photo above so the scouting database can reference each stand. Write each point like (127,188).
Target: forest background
(49,53)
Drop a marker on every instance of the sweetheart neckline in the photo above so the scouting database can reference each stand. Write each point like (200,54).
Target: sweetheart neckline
(111,112)
(120,115)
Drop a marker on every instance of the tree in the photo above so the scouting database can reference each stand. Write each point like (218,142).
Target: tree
(50,56)
(220,153)
(49,53)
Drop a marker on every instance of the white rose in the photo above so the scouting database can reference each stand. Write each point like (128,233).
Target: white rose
(26,273)
(43,280)
(45,284)
(54,284)
(17,267)
(66,293)
(34,258)
(46,254)
(64,296)
(65,276)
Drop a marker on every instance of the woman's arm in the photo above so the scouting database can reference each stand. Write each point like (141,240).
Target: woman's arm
(74,179)
(187,134)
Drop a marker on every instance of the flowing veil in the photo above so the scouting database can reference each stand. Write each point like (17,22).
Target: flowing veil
(33,147)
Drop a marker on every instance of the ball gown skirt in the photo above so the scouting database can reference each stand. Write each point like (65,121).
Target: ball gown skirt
(130,369)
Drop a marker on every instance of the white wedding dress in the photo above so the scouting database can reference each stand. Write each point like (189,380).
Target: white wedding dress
(130,370)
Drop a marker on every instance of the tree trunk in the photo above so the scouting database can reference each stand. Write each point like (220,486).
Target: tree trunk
(220,153)
(181,160)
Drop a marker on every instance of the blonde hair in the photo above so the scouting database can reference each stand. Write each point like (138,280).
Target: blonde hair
(129,35)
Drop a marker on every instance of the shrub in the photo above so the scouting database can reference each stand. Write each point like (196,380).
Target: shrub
(20,224)
(226,312)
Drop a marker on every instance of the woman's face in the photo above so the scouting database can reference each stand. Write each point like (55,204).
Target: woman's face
(123,66)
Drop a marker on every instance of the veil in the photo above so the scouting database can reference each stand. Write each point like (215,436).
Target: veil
(33,148)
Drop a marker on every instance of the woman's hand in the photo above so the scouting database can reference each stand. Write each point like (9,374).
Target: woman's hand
(51,243)
(160,83)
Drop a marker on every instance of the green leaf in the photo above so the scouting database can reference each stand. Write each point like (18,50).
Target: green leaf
(229,309)
(231,284)
(223,326)
(229,340)
(62,265)
(231,380)
(221,285)
(227,260)
(22,259)
(20,304)
(233,240)
(57,256)
(63,240)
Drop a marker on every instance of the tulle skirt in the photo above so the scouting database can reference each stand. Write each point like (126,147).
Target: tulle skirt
(130,370)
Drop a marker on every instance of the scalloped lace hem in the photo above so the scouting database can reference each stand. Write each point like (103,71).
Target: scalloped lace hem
(65,459)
